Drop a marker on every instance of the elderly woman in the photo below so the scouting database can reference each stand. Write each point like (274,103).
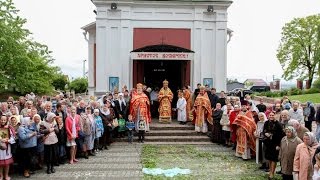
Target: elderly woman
(28,143)
(284,118)
(259,141)
(273,133)
(301,130)
(50,141)
(287,151)
(6,139)
(107,115)
(90,139)
(217,136)
(302,165)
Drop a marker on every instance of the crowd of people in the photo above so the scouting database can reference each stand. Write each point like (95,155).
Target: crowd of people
(44,132)
(278,132)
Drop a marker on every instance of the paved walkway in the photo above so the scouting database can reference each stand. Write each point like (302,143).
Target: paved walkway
(121,161)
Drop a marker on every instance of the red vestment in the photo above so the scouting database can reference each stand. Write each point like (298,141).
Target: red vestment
(203,110)
(140,101)
(187,96)
(247,125)
(233,128)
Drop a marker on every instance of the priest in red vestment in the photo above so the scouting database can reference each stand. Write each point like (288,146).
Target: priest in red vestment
(202,111)
(165,98)
(246,126)
(140,106)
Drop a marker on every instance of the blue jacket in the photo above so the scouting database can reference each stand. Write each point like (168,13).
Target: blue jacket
(25,140)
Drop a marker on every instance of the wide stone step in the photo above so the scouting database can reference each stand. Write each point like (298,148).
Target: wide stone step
(179,143)
(154,127)
(171,139)
(172,133)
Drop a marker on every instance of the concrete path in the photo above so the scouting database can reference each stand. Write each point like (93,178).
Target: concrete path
(121,161)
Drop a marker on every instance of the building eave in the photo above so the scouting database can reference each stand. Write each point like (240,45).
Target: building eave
(89,26)
(225,3)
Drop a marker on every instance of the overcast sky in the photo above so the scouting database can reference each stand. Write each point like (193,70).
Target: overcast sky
(251,52)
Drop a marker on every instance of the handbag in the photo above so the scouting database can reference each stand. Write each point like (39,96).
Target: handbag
(115,122)
(81,134)
(3,146)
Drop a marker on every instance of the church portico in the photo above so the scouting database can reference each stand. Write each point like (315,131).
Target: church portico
(118,33)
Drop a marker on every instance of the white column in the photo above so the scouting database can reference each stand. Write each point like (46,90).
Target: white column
(101,39)
(91,69)
(197,48)
(221,51)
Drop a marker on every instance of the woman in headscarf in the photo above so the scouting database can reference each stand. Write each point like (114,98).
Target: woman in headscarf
(28,145)
(49,129)
(287,148)
(107,114)
(303,166)
(273,133)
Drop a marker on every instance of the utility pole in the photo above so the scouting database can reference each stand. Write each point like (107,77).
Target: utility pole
(84,68)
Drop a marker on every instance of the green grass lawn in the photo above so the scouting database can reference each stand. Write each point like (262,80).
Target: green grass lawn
(315,98)
(205,162)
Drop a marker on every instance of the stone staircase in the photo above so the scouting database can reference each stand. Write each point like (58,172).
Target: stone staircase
(174,133)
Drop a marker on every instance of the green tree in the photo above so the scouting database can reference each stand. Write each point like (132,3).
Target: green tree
(25,64)
(299,50)
(79,85)
(60,81)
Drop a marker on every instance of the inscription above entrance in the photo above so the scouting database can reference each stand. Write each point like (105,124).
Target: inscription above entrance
(161,56)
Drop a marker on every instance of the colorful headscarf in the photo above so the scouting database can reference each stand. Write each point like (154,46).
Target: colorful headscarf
(292,130)
(312,137)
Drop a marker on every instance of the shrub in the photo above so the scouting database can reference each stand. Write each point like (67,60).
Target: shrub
(284,93)
(295,91)
(312,90)
(316,84)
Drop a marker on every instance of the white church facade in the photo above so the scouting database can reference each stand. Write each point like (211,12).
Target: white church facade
(134,41)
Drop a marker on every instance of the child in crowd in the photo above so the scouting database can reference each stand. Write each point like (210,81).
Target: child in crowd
(121,126)
(130,126)
(181,108)
(99,128)
(141,129)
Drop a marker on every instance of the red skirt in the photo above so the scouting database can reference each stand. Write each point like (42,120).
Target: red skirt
(6,162)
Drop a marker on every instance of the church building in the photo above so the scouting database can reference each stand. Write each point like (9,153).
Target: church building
(148,41)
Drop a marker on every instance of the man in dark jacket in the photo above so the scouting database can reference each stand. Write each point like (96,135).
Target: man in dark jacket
(213,98)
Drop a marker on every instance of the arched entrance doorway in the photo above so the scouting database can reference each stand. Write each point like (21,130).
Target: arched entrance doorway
(155,63)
